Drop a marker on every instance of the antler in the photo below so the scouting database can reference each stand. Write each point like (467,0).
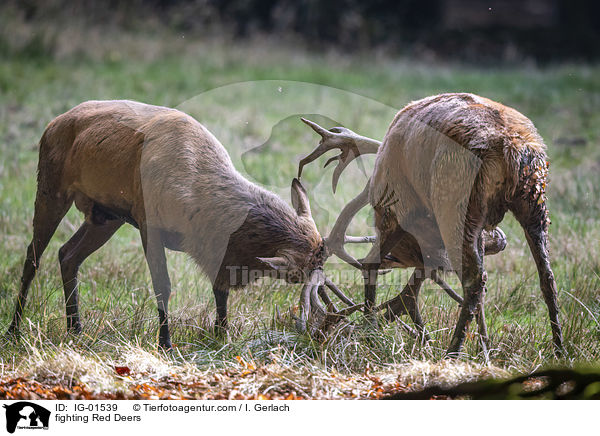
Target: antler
(316,280)
(322,318)
(351,144)
(337,238)
(313,314)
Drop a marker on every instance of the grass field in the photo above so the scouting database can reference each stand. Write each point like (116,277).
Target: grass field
(258,123)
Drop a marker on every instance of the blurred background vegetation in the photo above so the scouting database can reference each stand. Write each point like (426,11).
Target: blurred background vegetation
(492,31)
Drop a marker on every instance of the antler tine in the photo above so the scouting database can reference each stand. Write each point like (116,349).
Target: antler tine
(314,293)
(350,310)
(309,302)
(304,307)
(320,130)
(330,317)
(344,158)
(359,239)
(446,287)
(321,149)
(326,299)
(337,291)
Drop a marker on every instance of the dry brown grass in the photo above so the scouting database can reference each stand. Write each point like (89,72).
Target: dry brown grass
(132,372)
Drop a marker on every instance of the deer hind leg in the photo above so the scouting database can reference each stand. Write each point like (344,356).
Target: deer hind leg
(473,279)
(483,245)
(532,217)
(407,302)
(385,242)
(157,263)
(89,238)
(482,330)
(50,209)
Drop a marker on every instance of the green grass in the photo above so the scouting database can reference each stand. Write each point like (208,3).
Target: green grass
(116,298)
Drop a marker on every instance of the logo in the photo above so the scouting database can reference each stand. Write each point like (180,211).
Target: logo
(26,415)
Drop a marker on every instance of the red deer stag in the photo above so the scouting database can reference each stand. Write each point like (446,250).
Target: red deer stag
(353,145)
(163,172)
(448,170)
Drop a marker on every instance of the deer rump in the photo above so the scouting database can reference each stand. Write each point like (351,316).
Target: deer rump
(441,157)
(449,169)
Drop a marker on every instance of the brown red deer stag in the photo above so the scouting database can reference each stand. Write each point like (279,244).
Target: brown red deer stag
(353,145)
(163,172)
(449,168)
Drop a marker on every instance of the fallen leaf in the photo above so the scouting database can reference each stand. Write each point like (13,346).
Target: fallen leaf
(122,370)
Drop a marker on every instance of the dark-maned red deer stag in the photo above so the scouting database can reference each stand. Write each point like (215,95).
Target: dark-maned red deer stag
(448,170)
(163,172)
(406,302)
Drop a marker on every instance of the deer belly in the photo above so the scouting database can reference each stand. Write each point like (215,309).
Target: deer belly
(98,213)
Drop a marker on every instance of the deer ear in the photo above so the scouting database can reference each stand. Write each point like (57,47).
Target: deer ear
(300,199)
(276,263)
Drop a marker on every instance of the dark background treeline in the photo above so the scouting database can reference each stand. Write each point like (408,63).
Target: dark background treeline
(466,30)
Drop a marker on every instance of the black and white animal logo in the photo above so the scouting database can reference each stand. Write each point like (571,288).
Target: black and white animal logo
(26,415)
